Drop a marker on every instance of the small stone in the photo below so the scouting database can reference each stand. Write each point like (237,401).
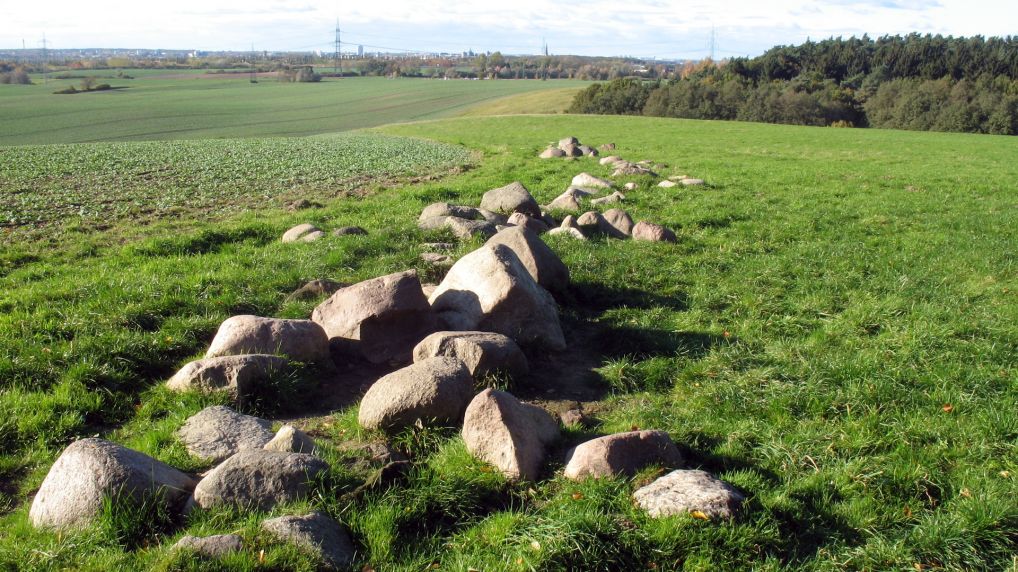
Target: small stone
(609,160)
(607,147)
(552,152)
(238,375)
(217,432)
(692,182)
(652,232)
(686,491)
(588,180)
(436,259)
(615,197)
(619,221)
(289,439)
(567,231)
(465,229)
(300,204)
(436,210)
(573,418)
(300,231)
(349,231)
(630,186)
(667,184)
(318,534)
(438,246)
(621,454)
(530,223)
(214,546)
(315,289)
(568,141)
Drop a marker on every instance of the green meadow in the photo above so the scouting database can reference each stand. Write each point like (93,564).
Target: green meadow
(835,331)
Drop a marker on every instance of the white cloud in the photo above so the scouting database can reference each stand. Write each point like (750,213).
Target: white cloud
(638,27)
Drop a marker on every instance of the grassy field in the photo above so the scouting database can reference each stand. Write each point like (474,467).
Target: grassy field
(190,105)
(835,332)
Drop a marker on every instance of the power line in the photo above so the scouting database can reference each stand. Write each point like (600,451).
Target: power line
(337,62)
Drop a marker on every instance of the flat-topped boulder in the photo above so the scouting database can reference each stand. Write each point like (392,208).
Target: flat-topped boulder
(480,352)
(317,533)
(218,432)
(624,168)
(652,232)
(567,141)
(615,197)
(301,340)
(570,199)
(446,209)
(386,316)
(491,290)
(464,229)
(689,491)
(90,471)
(434,389)
(238,375)
(691,182)
(512,198)
(509,434)
(259,479)
(621,454)
(538,258)
(590,181)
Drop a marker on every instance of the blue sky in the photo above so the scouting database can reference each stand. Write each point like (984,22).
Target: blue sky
(644,28)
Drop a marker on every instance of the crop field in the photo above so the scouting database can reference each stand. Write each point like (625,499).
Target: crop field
(160,106)
(98,184)
(835,333)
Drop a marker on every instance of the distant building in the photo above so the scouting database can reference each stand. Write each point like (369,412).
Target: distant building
(360,51)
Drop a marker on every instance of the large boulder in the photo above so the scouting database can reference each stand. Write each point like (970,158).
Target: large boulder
(683,492)
(491,290)
(386,316)
(259,479)
(301,340)
(318,534)
(565,142)
(238,375)
(621,454)
(651,232)
(511,198)
(567,231)
(511,435)
(215,546)
(618,222)
(217,432)
(590,181)
(91,470)
(445,209)
(437,388)
(465,229)
(480,352)
(552,152)
(537,257)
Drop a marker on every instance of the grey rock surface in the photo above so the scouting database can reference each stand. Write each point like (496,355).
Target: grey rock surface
(301,340)
(619,221)
(588,180)
(651,232)
(434,389)
(387,316)
(511,198)
(528,222)
(480,352)
(508,434)
(90,470)
(217,432)
(214,546)
(544,266)
(239,375)
(491,290)
(318,534)
(621,454)
(685,491)
(299,232)
(289,439)
(259,479)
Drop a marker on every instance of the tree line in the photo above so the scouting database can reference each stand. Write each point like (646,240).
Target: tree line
(917,82)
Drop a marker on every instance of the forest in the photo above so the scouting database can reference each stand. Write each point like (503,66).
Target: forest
(914,82)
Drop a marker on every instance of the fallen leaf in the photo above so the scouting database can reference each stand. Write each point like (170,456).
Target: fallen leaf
(908,512)
(966,493)
(634,428)
(367,568)
(261,556)
(577,496)
(698,515)
(1005,474)
(535,545)
(948,408)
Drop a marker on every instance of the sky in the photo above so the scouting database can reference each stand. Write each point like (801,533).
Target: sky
(667,29)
